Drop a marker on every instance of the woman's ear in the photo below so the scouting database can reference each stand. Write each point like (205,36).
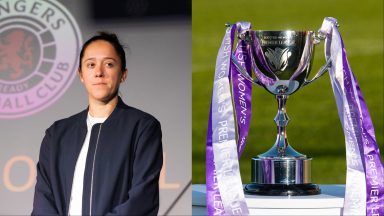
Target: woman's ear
(80,75)
(124,75)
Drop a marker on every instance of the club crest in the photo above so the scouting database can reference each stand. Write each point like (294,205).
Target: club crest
(39,45)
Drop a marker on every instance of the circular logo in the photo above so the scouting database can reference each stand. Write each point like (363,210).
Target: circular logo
(39,45)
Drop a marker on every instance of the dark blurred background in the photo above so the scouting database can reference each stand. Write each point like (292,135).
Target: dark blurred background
(141,9)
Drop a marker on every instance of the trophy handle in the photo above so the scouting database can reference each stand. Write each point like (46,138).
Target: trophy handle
(317,39)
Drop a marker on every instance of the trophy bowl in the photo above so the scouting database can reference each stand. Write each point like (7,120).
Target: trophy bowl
(282,62)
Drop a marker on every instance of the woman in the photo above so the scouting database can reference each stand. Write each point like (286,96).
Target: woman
(107,158)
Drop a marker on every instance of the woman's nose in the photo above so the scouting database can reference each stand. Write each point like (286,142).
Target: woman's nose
(99,71)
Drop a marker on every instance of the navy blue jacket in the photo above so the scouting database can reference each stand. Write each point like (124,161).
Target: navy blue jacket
(122,167)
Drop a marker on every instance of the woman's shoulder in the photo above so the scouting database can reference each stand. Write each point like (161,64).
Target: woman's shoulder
(69,122)
(133,114)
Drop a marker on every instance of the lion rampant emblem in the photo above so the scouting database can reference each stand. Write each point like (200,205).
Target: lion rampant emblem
(16,54)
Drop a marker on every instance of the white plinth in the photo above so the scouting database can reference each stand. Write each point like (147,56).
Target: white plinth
(329,202)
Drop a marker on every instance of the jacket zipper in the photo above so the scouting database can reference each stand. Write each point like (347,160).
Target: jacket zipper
(93,170)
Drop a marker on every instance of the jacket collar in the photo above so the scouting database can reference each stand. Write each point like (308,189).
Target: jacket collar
(120,106)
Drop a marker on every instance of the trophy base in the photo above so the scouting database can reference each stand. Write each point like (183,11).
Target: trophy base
(281,176)
(281,189)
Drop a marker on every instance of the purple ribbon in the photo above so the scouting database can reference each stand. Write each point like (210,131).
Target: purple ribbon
(365,180)
(242,89)
(258,52)
(225,194)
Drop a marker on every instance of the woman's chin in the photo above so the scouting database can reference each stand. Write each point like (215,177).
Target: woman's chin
(102,97)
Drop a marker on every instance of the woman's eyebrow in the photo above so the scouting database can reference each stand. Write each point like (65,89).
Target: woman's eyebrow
(106,58)
(89,59)
(93,58)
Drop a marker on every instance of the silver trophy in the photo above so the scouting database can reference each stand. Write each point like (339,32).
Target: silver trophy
(282,62)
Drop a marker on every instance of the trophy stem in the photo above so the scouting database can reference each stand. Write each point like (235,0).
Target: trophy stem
(281,148)
(282,121)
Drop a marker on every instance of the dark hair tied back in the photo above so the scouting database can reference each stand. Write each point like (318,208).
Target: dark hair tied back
(113,40)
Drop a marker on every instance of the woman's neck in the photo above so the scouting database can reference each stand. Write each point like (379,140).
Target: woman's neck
(101,109)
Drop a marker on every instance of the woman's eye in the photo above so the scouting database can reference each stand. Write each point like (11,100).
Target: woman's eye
(90,65)
(109,64)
